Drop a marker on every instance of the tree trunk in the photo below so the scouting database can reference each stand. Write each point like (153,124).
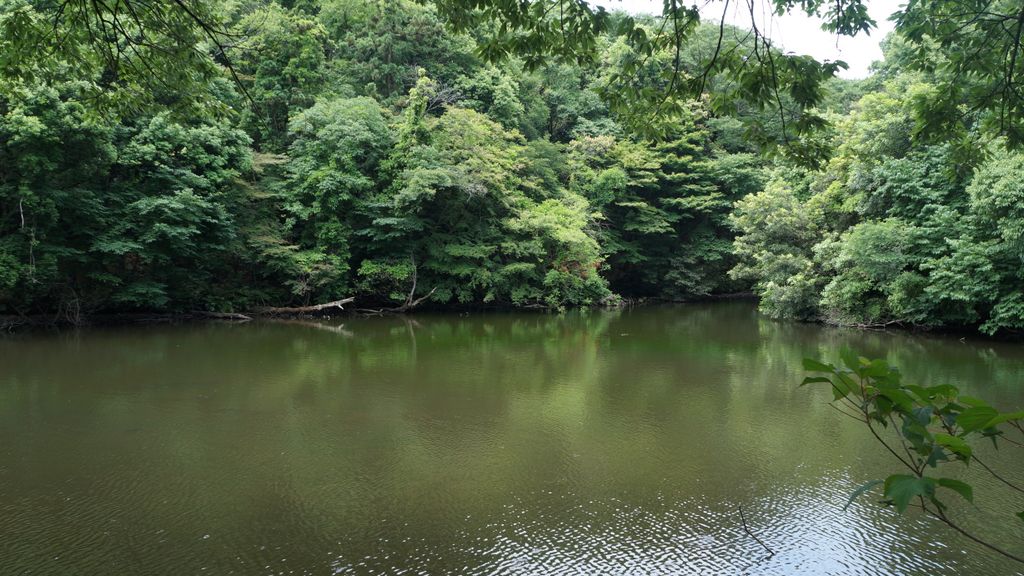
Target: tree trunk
(304,310)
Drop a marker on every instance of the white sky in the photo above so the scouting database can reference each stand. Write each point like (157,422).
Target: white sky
(795,32)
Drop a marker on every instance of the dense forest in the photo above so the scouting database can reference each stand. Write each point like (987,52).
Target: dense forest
(371,149)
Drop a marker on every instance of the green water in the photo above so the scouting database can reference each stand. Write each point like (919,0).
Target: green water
(619,442)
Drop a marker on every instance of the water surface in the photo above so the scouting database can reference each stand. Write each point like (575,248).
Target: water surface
(620,442)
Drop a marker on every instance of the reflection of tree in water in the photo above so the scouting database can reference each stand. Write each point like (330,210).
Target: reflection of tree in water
(971,363)
(422,426)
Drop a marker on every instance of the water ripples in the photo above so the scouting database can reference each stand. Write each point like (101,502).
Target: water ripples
(604,444)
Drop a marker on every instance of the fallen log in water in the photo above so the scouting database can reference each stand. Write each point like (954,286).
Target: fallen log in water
(234,316)
(304,310)
(408,305)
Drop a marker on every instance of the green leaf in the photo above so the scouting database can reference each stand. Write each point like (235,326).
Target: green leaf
(842,386)
(850,358)
(922,415)
(961,488)
(955,444)
(937,455)
(1005,418)
(943,390)
(1020,515)
(877,369)
(972,401)
(861,490)
(976,418)
(899,398)
(902,488)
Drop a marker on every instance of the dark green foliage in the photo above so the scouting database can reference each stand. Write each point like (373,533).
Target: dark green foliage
(665,209)
(129,53)
(463,182)
(137,215)
(337,151)
(490,153)
(382,43)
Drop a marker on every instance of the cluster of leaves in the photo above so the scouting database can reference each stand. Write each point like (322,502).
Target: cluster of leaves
(515,174)
(126,53)
(972,48)
(388,160)
(740,68)
(925,428)
(450,200)
(135,45)
(891,230)
(664,208)
(139,215)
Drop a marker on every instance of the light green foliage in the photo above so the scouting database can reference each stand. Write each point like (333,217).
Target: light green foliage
(973,50)
(873,281)
(461,202)
(282,60)
(997,200)
(906,235)
(337,150)
(776,232)
(495,94)
(997,211)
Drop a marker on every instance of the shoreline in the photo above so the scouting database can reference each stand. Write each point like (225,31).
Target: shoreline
(47,322)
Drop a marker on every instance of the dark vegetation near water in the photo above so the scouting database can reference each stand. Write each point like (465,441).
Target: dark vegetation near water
(321,150)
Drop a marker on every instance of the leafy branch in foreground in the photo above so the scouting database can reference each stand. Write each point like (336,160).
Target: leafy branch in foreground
(928,427)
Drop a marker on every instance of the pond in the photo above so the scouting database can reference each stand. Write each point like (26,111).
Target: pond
(592,442)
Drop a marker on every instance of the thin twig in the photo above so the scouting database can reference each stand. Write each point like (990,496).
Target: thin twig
(945,520)
(743,520)
(996,476)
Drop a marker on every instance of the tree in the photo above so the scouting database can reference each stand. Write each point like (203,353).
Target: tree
(281,58)
(982,68)
(383,46)
(459,207)
(337,150)
(907,235)
(773,248)
(137,215)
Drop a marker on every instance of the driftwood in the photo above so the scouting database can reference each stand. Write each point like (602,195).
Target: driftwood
(409,303)
(304,310)
(11,322)
(405,307)
(221,316)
